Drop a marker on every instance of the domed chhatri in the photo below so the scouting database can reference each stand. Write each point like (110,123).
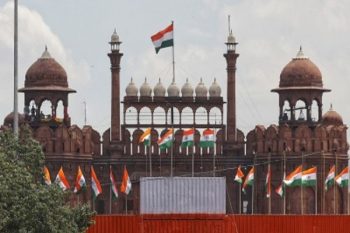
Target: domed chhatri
(201,89)
(332,118)
(215,89)
(145,89)
(173,90)
(46,72)
(187,90)
(301,72)
(159,89)
(131,89)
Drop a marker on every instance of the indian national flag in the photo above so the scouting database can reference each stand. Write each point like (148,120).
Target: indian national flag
(268,182)
(309,177)
(113,184)
(249,180)
(187,138)
(95,183)
(167,140)
(207,139)
(47,178)
(61,180)
(330,178)
(343,177)
(80,182)
(126,183)
(164,38)
(239,175)
(280,190)
(294,178)
(146,137)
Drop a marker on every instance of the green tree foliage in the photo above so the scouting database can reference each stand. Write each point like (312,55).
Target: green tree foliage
(26,203)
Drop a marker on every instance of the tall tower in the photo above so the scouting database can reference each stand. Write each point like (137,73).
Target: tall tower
(115,57)
(231,58)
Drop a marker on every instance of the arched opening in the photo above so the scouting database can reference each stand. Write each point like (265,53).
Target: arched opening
(176,116)
(130,116)
(286,111)
(314,111)
(59,110)
(201,116)
(32,110)
(45,110)
(145,116)
(187,116)
(159,115)
(215,116)
(300,110)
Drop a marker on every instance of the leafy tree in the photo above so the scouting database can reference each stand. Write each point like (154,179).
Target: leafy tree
(26,203)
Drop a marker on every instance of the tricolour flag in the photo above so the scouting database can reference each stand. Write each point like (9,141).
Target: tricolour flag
(80,182)
(294,178)
(164,38)
(330,178)
(343,177)
(113,183)
(146,137)
(61,180)
(239,175)
(207,139)
(309,177)
(268,182)
(187,138)
(47,177)
(126,183)
(280,190)
(166,140)
(249,180)
(95,183)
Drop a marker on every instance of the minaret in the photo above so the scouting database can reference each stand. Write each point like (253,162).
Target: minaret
(115,57)
(231,58)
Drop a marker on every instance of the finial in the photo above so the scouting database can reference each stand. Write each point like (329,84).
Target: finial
(201,80)
(214,80)
(160,81)
(186,80)
(145,79)
(45,47)
(300,54)
(131,80)
(331,107)
(46,53)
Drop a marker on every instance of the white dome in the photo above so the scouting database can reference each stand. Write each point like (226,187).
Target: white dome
(201,90)
(215,89)
(145,89)
(173,90)
(131,89)
(159,90)
(187,90)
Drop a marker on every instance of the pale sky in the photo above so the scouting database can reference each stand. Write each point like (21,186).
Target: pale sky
(269,34)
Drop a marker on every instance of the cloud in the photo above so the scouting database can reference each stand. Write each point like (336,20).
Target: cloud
(34,34)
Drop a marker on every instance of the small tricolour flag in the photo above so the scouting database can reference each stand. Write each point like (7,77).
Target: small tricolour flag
(294,178)
(95,184)
(113,184)
(268,182)
(280,190)
(239,175)
(80,182)
(330,178)
(164,38)
(249,180)
(126,183)
(61,180)
(343,177)
(187,138)
(309,177)
(207,138)
(47,177)
(146,137)
(166,140)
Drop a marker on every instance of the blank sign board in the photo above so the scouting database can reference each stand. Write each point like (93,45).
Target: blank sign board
(182,195)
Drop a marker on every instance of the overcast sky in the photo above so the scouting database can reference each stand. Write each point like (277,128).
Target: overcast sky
(269,34)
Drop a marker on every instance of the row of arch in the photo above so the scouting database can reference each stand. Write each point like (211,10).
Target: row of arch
(303,138)
(301,110)
(45,109)
(187,115)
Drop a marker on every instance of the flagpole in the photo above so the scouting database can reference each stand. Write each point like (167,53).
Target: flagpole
(150,154)
(214,147)
(15,86)
(283,188)
(301,186)
(240,198)
(110,198)
(172,142)
(269,182)
(173,52)
(316,193)
(334,183)
(126,204)
(193,156)
(253,184)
